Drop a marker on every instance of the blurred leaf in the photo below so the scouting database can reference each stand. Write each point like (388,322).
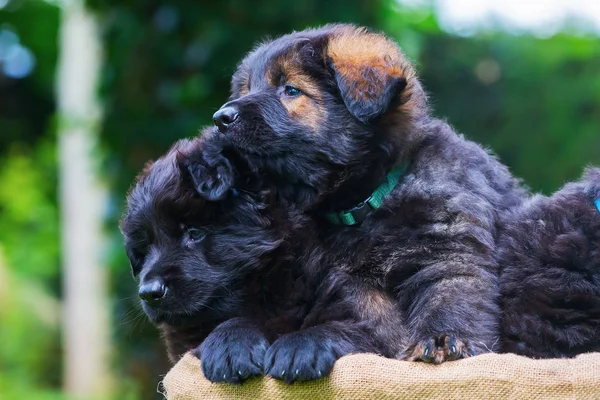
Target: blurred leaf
(29,217)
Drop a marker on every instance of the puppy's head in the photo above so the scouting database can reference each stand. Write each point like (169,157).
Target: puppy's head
(192,257)
(321,98)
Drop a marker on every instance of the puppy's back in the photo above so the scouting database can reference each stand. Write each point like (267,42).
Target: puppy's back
(549,253)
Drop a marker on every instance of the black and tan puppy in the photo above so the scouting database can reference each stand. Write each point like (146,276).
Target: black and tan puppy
(234,280)
(549,252)
(337,120)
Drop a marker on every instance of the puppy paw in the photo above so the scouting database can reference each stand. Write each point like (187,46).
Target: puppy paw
(300,356)
(212,178)
(438,349)
(232,355)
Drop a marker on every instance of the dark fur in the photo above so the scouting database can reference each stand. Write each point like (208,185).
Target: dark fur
(549,251)
(269,308)
(274,287)
(431,245)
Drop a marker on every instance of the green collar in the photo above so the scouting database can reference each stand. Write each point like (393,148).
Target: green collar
(358,213)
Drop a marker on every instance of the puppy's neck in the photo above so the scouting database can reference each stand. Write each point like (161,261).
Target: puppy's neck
(180,340)
(357,182)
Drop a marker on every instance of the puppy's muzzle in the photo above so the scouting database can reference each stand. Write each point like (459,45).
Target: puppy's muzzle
(225,117)
(152,292)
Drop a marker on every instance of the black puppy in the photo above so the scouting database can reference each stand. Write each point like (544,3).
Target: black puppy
(336,119)
(193,258)
(234,280)
(549,251)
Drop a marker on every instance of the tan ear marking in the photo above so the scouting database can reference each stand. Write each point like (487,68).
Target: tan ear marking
(368,61)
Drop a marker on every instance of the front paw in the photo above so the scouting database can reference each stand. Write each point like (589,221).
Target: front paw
(438,349)
(232,355)
(301,356)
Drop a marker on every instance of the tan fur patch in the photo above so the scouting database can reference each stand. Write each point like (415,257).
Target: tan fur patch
(356,53)
(244,90)
(307,108)
(244,84)
(375,304)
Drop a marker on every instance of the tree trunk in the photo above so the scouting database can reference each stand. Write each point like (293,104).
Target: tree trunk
(86,313)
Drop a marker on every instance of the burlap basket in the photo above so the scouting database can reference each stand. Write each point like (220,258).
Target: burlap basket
(366,376)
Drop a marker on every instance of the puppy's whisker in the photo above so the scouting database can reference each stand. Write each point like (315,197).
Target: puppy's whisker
(124,299)
(136,321)
(131,315)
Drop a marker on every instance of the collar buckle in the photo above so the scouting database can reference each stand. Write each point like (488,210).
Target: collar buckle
(359,213)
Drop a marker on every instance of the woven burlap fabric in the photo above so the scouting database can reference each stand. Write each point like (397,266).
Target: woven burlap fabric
(366,376)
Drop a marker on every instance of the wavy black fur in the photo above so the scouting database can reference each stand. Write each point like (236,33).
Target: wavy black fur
(245,297)
(549,250)
(275,288)
(429,250)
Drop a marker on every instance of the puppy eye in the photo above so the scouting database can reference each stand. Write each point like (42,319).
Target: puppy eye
(291,91)
(136,267)
(196,234)
(136,261)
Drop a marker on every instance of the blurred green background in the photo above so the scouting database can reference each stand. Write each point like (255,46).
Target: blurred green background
(532,98)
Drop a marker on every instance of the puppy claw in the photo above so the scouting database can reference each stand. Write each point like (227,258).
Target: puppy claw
(427,351)
(439,349)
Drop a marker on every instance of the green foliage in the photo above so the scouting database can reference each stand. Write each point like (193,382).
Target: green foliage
(40,37)
(26,105)
(535,102)
(29,269)
(30,353)
(29,217)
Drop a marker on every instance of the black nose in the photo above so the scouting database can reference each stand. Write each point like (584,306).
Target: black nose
(152,292)
(225,117)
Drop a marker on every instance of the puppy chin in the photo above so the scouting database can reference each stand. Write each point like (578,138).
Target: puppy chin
(159,317)
(192,313)
(156,316)
(168,314)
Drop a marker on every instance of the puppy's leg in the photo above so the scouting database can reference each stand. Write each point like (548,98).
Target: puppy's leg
(452,311)
(348,316)
(233,352)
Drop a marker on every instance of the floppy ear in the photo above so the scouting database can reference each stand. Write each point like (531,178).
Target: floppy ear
(371,72)
(210,173)
(211,182)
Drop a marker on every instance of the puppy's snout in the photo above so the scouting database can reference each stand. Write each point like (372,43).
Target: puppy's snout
(152,292)
(225,117)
